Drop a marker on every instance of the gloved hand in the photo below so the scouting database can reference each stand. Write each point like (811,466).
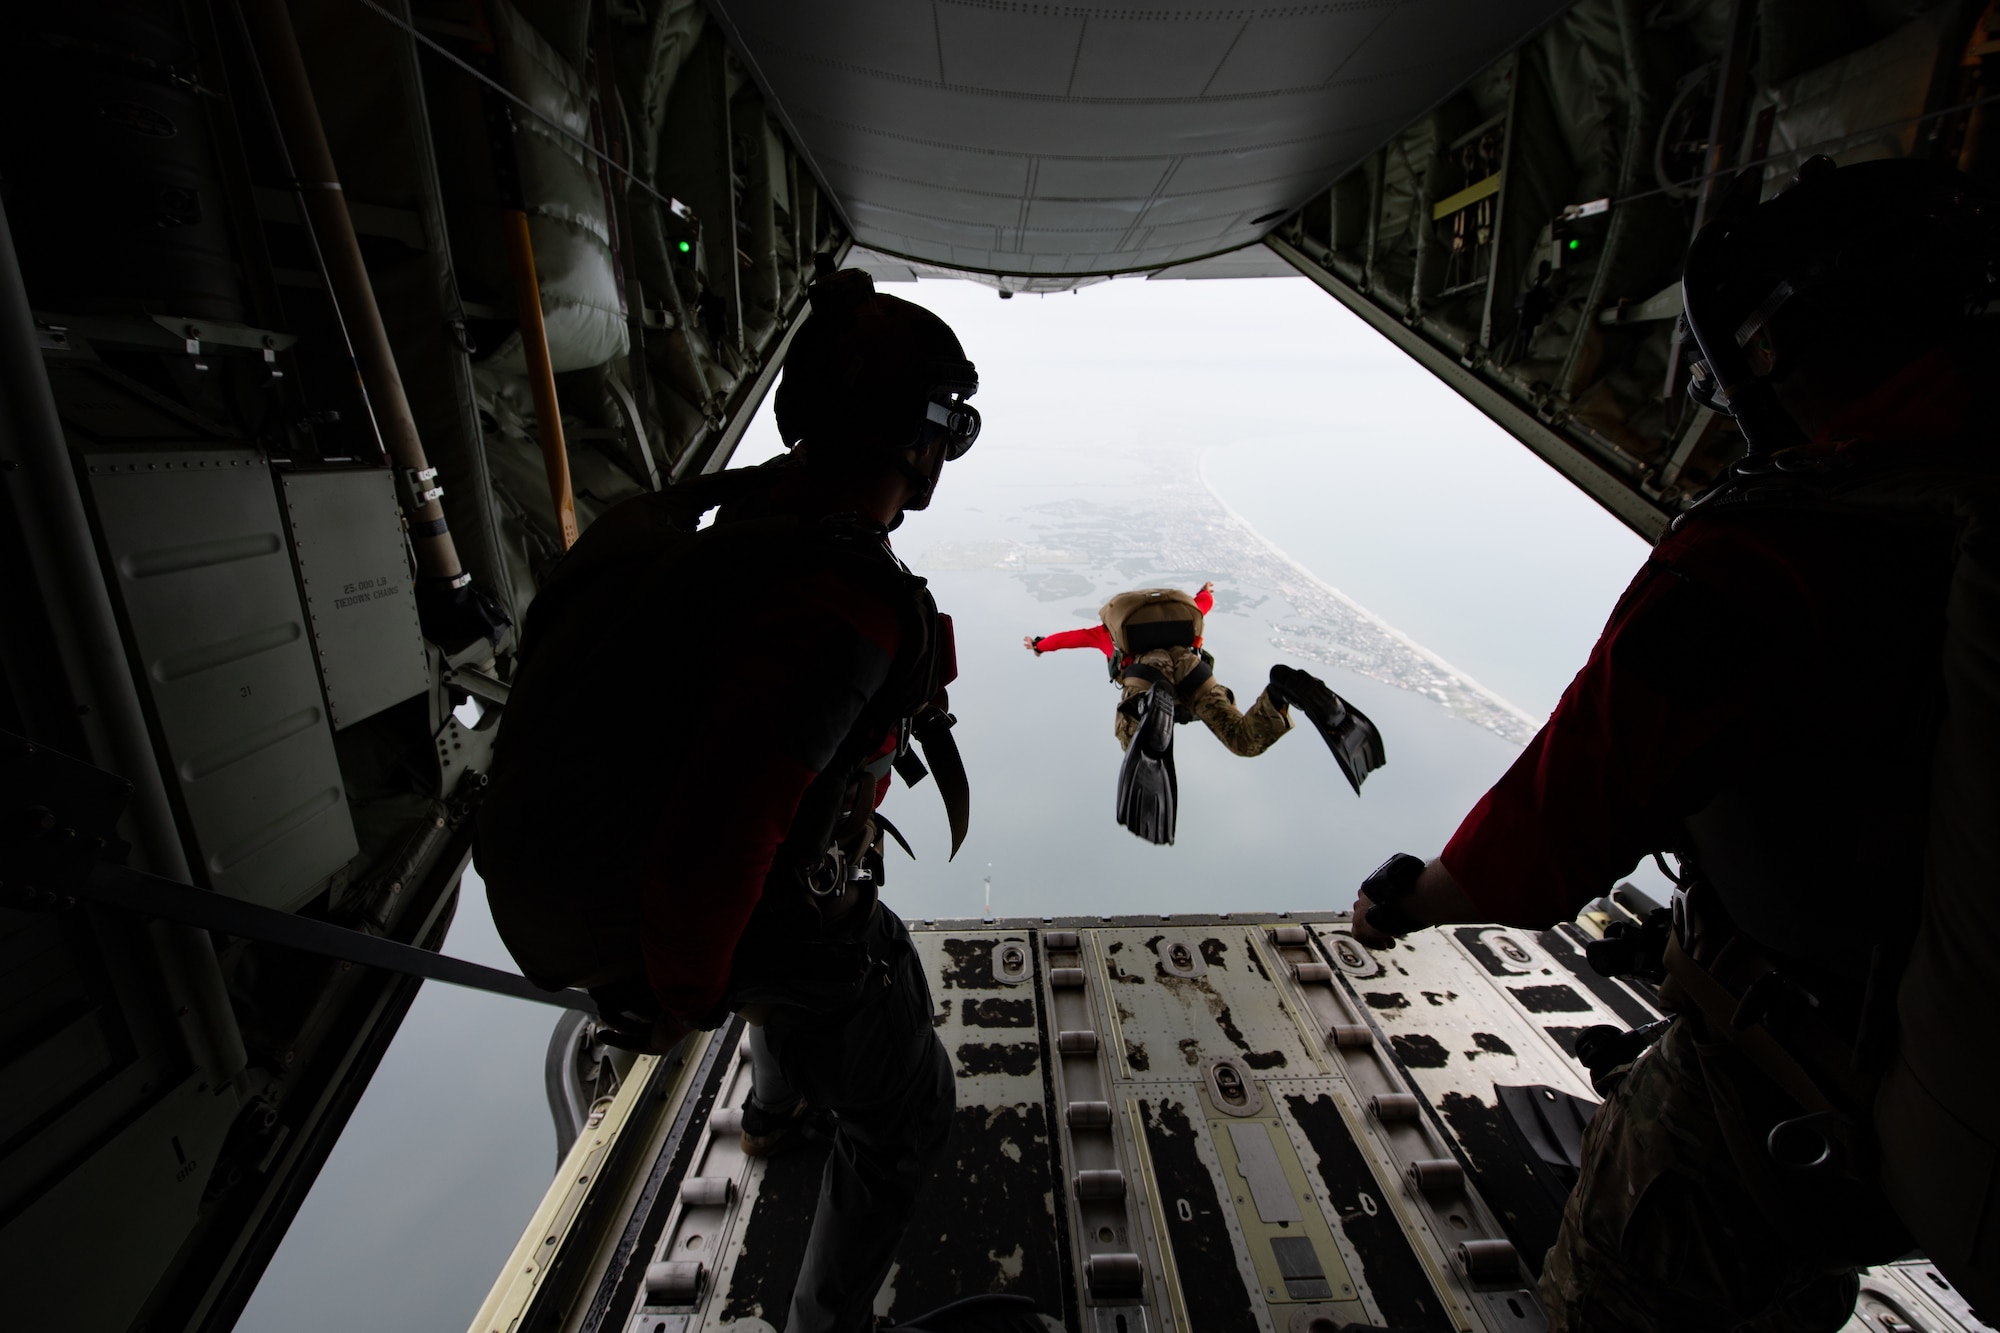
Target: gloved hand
(1434,900)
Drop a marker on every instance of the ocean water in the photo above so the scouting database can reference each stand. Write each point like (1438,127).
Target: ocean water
(441,1165)
(1509,582)
(1281,831)
(1359,521)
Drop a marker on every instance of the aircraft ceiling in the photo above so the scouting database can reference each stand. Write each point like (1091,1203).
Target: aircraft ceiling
(1001,136)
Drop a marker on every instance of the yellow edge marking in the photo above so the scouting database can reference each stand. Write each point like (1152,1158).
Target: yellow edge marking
(573,1182)
(1466,198)
(1099,970)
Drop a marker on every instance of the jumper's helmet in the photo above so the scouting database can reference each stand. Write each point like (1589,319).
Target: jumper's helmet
(1870,264)
(868,374)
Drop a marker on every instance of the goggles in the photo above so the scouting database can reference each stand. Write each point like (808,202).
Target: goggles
(959,421)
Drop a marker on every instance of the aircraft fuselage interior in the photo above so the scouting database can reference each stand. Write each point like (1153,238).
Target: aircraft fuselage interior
(327,325)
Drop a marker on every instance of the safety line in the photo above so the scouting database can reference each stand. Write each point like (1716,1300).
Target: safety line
(673,205)
(151,895)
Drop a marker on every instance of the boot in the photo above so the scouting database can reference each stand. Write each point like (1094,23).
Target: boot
(764,1130)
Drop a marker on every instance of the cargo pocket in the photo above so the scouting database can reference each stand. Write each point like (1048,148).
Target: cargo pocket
(1637,1249)
(1619,1193)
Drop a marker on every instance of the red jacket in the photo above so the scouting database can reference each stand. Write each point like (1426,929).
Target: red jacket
(1753,657)
(790,680)
(1098,637)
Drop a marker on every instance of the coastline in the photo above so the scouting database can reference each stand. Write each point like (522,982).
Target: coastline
(1530,721)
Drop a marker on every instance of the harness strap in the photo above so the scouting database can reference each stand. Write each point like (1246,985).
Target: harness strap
(154,896)
(1194,680)
(1735,1019)
(932,729)
(882,822)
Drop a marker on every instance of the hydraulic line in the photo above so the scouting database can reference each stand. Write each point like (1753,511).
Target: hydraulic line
(277,49)
(541,371)
(519,241)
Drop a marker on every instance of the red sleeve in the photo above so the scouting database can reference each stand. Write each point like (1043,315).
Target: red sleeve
(1204,601)
(947,651)
(790,683)
(1097,636)
(1643,737)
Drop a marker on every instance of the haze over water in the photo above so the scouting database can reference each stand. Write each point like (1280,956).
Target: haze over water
(1359,521)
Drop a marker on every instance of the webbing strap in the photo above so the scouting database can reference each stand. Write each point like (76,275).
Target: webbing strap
(932,729)
(150,895)
(1719,1011)
(1194,680)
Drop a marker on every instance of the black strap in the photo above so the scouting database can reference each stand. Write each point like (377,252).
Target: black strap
(882,822)
(1195,679)
(911,768)
(932,729)
(150,895)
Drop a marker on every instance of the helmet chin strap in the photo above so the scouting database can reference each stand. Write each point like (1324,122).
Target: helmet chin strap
(925,482)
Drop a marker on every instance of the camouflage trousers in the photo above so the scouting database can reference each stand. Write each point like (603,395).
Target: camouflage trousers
(1664,1232)
(1247,733)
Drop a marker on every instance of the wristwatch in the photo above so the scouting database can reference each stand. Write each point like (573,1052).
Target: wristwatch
(1386,888)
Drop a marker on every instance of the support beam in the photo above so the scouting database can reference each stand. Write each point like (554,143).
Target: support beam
(716,456)
(746,409)
(541,372)
(48,509)
(1615,493)
(324,205)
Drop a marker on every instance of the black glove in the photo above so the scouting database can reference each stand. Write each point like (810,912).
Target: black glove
(1386,888)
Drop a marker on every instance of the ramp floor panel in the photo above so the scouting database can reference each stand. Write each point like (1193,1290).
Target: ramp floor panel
(1188,1124)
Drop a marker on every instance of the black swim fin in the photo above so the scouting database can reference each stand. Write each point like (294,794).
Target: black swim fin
(1356,744)
(1148,791)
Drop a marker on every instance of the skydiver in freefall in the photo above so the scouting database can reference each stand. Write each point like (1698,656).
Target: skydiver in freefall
(1151,640)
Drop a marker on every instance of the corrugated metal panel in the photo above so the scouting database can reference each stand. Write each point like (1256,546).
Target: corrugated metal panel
(196,548)
(360,592)
(1064,140)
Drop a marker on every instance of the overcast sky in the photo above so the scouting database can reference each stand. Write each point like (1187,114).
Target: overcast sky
(1361,464)
(1333,445)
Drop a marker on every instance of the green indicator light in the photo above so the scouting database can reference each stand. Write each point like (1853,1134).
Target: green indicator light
(1574,245)
(685,247)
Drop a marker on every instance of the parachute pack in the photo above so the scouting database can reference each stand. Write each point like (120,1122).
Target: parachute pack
(602,627)
(1930,1104)
(1152,618)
